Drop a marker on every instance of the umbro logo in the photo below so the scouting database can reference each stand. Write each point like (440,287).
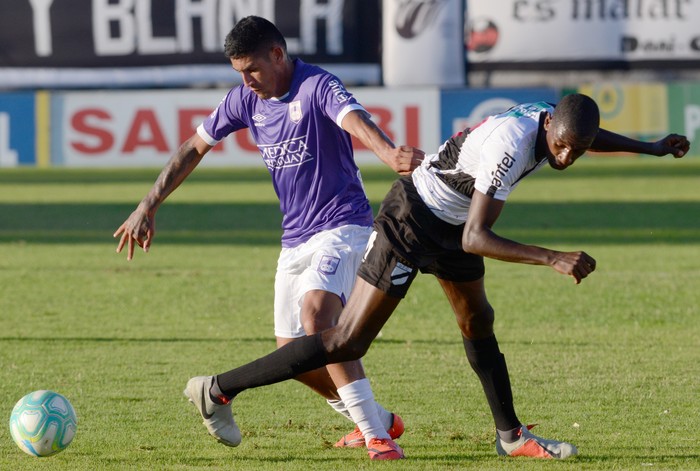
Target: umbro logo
(258,118)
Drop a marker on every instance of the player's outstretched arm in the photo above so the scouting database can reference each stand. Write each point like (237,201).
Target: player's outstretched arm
(403,159)
(673,144)
(140,227)
(478,238)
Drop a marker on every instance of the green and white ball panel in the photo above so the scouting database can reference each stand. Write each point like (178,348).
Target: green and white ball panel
(43,423)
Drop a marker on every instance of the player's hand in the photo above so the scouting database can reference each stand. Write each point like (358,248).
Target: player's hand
(139,228)
(673,144)
(575,264)
(406,159)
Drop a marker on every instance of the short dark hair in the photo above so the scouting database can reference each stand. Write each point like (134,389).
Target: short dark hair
(252,35)
(579,115)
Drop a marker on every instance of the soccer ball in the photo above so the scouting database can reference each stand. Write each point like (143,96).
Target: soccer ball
(43,423)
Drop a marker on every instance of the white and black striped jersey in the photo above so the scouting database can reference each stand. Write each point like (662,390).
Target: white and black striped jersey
(491,157)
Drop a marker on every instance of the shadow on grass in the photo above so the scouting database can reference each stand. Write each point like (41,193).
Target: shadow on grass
(244,223)
(259,223)
(19,338)
(232,175)
(640,461)
(596,167)
(455,341)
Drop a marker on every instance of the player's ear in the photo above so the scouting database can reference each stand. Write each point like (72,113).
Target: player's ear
(547,122)
(277,54)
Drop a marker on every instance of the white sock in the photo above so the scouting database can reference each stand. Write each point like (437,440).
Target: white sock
(385,416)
(339,407)
(359,401)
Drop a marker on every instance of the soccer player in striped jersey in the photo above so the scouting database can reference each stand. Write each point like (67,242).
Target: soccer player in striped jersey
(440,221)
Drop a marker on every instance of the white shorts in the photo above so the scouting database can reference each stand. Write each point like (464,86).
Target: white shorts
(328,261)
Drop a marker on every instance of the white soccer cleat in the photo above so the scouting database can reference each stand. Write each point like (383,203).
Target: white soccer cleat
(535,447)
(218,418)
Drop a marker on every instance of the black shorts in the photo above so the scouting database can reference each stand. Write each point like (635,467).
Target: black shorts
(408,237)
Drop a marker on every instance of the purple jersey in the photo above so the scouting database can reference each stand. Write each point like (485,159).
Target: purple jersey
(307,153)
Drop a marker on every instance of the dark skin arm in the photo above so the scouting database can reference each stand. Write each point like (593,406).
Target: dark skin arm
(607,141)
(479,238)
(140,226)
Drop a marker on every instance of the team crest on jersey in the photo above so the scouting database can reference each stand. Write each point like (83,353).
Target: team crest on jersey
(328,264)
(295,111)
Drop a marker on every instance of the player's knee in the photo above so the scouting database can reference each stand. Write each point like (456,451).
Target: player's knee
(477,323)
(319,312)
(316,324)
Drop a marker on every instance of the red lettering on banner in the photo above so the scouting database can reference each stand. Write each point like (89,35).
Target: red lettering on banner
(145,119)
(189,120)
(97,132)
(105,140)
(382,117)
(412,126)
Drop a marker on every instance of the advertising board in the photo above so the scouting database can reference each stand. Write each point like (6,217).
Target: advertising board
(17,129)
(141,43)
(461,109)
(582,34)
(144,128)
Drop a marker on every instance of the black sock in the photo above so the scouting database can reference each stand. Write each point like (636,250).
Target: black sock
(302,355)
(509,436)
(489,364)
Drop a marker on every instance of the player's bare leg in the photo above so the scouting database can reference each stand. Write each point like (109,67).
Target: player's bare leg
(360,322)
(475,317)
(321,383)
(320,311)
(367,311)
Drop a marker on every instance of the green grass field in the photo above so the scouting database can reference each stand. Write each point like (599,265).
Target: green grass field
(612,365)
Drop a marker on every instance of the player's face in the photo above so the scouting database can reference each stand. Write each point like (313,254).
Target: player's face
(563,148)
(262,73)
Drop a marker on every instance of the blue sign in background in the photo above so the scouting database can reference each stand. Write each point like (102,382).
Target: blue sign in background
(20,107)
(463,108)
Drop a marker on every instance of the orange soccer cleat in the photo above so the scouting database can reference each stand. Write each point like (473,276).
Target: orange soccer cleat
(384,449)
(355,439)
(534,447)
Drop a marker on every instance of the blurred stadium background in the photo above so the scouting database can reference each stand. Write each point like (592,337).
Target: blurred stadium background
(120,83)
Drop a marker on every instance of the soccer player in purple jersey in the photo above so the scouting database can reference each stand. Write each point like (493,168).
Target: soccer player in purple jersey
(302,119)
(440,221)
